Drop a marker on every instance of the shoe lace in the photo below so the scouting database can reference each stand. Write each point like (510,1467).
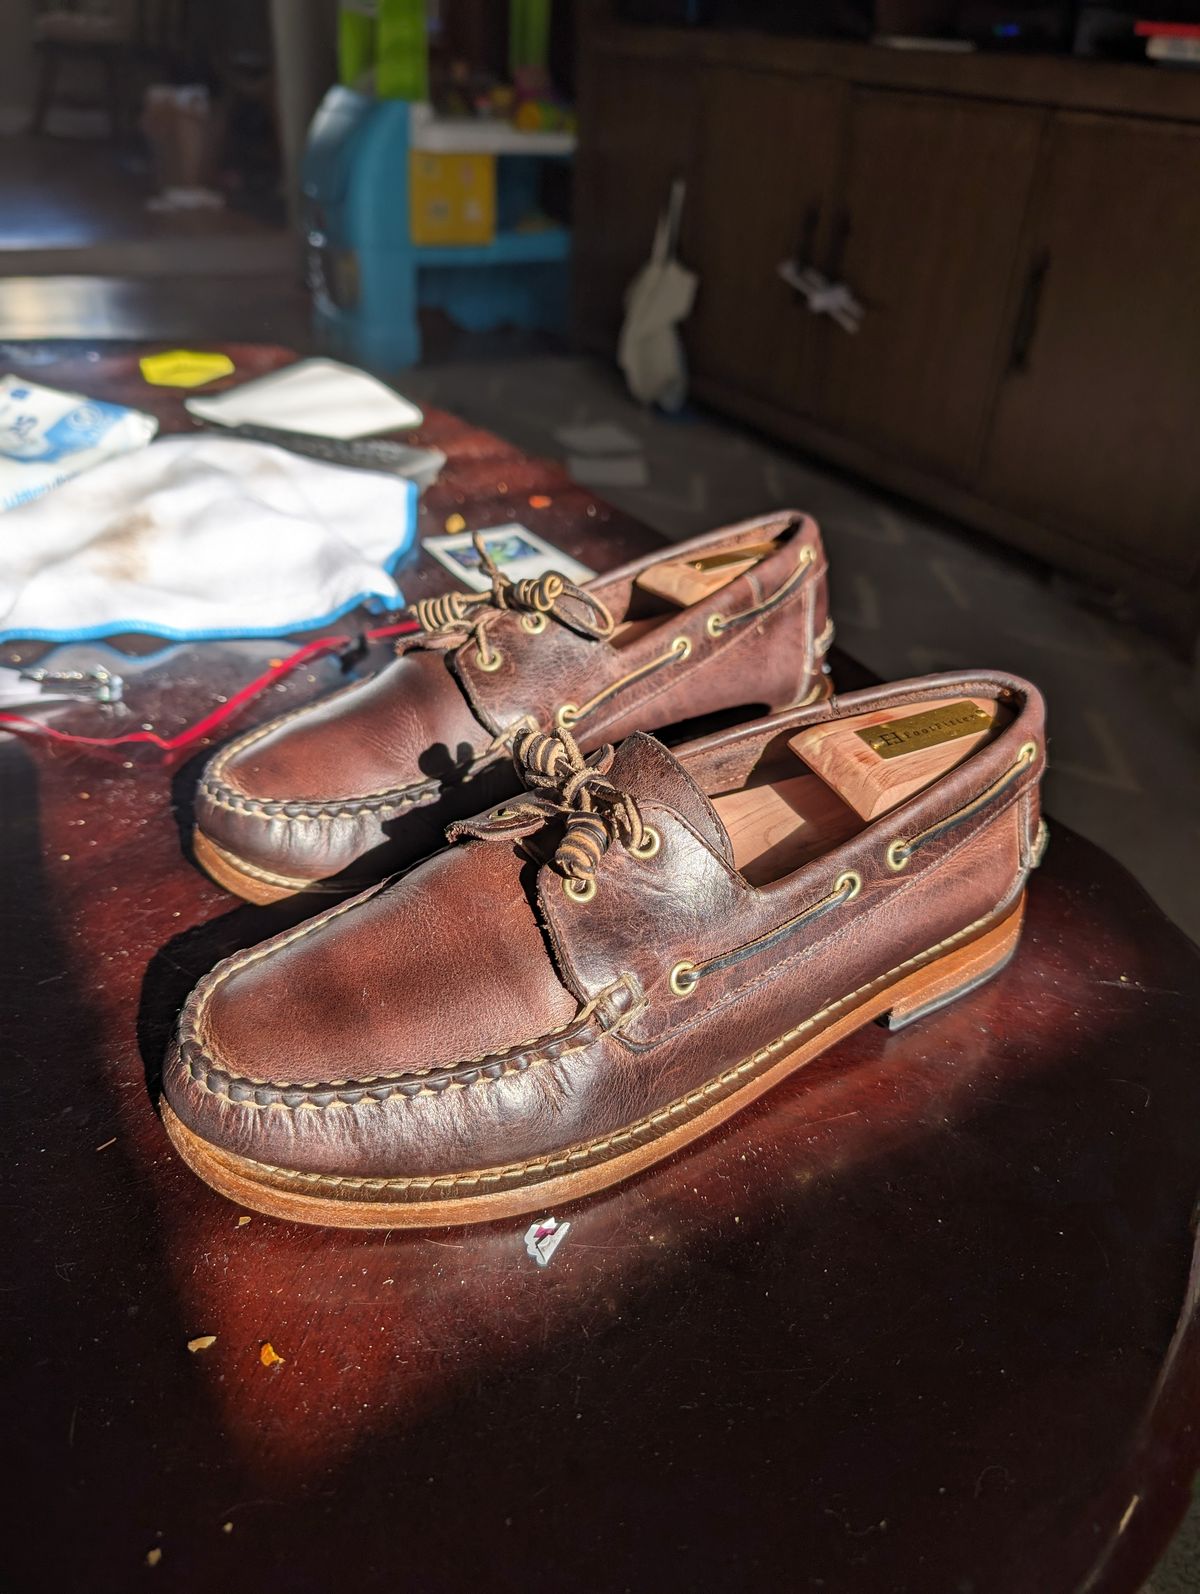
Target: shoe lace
(559,781)
(463,615)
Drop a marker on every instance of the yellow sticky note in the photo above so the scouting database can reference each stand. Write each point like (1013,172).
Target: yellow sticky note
(184,368)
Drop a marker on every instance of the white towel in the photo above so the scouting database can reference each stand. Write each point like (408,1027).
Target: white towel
(202,537)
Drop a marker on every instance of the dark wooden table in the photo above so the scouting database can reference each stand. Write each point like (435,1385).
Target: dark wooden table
(922,1320)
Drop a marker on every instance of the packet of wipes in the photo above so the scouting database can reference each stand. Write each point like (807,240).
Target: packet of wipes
(47,436)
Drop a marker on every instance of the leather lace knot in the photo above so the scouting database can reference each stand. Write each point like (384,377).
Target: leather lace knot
(560,781)
(461,615)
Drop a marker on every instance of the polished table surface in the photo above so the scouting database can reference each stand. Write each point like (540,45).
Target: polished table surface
(923,1320)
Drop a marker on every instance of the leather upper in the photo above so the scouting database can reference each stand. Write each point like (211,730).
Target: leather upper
(479,1014)
(337,788)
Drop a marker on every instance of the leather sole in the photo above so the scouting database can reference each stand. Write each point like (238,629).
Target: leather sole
(922,985)
(243,879)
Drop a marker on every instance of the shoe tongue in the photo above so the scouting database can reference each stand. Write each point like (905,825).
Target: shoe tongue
(643,767)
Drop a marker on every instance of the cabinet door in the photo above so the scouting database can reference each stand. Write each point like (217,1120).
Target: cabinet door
(1096,424)
(636,123)
(765,173)
(935,194)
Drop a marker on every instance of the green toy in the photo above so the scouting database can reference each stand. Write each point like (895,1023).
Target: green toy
(529,39)
(385,39)
(356,42)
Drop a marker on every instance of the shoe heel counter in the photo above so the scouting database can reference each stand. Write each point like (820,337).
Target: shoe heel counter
(959,973)
(796,637)
(1033,831)
(986,875)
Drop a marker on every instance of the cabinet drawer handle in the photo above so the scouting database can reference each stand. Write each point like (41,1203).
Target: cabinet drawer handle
(1027,314)
(837,248)
(808,235)
(796,270)
(821,296)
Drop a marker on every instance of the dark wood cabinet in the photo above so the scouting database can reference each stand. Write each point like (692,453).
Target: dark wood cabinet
(766,165)
(926,236)
(1096,422)
(1023,236)
(640,125)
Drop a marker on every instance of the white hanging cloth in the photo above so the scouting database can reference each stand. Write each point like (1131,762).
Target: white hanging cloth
(650,351)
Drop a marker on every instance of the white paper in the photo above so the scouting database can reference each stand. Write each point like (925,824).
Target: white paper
(321,397)
(47,436)
(610,470)
(598,437)
(520,553)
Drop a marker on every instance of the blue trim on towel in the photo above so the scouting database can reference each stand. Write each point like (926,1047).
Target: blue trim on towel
(109,628)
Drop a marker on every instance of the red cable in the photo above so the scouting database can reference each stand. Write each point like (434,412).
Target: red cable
(20,725)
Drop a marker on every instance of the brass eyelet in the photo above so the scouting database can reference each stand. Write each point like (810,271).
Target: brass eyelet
(650,843)
(807,555)
(1028,753)
(533,623)
(579,890)
(850,883)
(714,625)
(684,979)
(898,855)
(682,647)
(567,716)
(489,666)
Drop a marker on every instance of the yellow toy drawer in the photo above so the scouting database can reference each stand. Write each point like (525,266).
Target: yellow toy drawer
(452,198)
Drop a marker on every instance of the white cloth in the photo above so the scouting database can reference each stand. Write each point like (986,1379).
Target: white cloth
(321,397)
(649,350)
(198,537)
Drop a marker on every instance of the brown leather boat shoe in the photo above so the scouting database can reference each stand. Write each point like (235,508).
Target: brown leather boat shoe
(606,967)
(365,781)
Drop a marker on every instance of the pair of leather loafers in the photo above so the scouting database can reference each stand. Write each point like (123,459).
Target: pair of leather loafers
(621,945)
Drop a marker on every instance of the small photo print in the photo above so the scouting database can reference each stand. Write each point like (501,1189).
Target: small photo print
(503,550)
(520,553)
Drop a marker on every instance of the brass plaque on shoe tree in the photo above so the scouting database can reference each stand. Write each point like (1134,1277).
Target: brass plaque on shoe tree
(930,728)
(874,761)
